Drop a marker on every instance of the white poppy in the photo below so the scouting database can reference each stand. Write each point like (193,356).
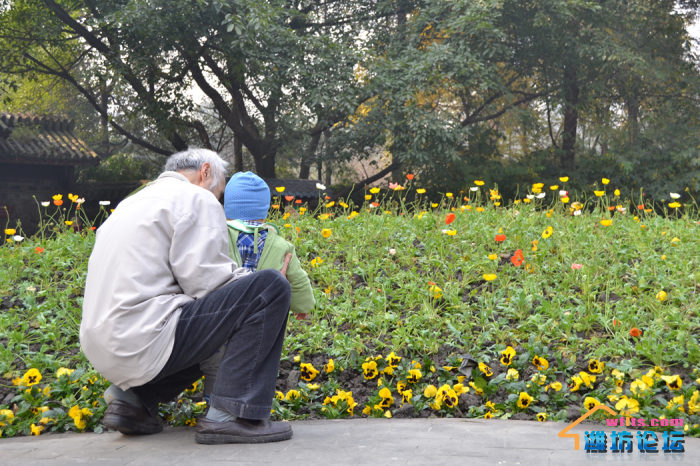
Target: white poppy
(105,202)
(577,213)
(530,196)
(444,232)
(540,195)
(392,251)
(474,188)
(18,238)
(675,195)
(80,201)
(320,186)
(46,204)
(563,193)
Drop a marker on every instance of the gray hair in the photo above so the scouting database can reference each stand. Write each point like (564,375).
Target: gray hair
(191,160)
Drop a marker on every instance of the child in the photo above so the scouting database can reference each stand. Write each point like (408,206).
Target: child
(246,203)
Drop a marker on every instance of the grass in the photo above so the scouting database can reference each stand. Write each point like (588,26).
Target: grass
(391,280)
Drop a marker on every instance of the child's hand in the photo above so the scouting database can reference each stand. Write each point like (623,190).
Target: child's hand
(301,316)
(287,258)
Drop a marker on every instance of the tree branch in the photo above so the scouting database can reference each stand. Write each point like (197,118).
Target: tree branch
(345,191)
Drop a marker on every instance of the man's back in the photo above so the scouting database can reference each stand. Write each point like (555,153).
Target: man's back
(161,248)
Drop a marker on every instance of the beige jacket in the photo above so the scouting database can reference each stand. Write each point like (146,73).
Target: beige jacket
(160,249)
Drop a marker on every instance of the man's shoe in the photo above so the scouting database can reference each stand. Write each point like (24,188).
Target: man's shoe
(239,430)
(130,420)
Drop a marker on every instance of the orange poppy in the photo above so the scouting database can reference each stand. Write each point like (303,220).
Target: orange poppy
(298,201)
(500,238)
(328,198)
(289,198)
(375,204)
(466,199)
(58,202)
(409,176)
(39,250)
(449,219)
(517,258)
(298,230)
(640,207)
(611,208)
(635,332)
(93,228)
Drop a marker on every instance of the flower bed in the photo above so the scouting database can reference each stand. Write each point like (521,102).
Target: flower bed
(467,308)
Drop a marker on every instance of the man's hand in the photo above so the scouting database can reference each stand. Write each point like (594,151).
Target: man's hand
(287,258)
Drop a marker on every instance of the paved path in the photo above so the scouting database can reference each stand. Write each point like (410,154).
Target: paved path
(375,442)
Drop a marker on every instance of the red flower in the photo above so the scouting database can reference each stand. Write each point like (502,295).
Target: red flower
(466,199)
(616,323)
(517,258)
(298,201)
(289,198)
(500,238)
(58,202)
(39,250)
(640,206)
(431,283)
(635,332)
(375,204)
(409,176)
(93,228)
(449,219)
(611,208)
(328,198)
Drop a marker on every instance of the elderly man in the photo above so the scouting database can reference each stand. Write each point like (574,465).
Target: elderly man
(162,295)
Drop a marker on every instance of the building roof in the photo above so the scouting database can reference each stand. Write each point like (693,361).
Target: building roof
(297,188)
(35,139)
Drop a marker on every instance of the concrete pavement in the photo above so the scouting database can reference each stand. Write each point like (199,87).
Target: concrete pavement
(339,443)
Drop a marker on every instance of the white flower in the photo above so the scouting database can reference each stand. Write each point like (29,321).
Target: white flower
(46,204)
(621,209)
(80,201)
(444,232)
(675,195)
(474,188)
(530,196)
(18,238)
(577,213)
(105,202)
(563,193)
(320,186)
(540,195)
(392,251)
(31,288)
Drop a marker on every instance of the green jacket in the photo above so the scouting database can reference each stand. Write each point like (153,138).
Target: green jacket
(272,257)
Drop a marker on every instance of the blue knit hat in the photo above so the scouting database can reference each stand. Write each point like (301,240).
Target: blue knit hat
(247,197)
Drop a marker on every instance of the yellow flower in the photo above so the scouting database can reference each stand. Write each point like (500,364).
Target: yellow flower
(287,225)
(279,189)
(493,257)
(9,415)
(477,390)
(450,399)
(547,232)
(590,403)
(577,383)
(450,232)
(638,387)
(595,366)
(31,377)
(606,223)
(677,402)
(343,205)
(326,232)
(599,193)
(541,417)
(330,204)
(406,396)
(368,197)
(10,231)
(367,411)
(387,414)
(564,179)
(393,360)
(316,262)
(68,222)
(77,415)
(434,205)
(507,356)
(485,369)
(279,396)
(488,415)
(480,209)
(73,197)
(627,406)
(539,379)
(556,386)
(460,388)
(694,403)
(673,382)
(478,182)
(369,370)
(36,430)
(430,391)
(64,371)
(292,395)
(448,194)
(297,358)
(308,372)
(330,367)
(490,277)
(512,374)
(414,375)
(435,291)
(674,205)
(661,295)
(554,188)
(387,399)
(588,380)
(524,400)
(606,181)
(541,363)
(374,190)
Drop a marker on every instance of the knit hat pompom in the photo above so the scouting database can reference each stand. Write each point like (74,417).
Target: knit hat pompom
(247,197)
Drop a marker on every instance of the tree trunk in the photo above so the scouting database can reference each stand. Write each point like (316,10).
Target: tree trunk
(571,98)
(632,120)
(305,168)
(265,165)
(237,154)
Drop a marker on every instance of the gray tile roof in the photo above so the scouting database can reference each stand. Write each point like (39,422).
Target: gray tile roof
(48,140)
(297,188)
